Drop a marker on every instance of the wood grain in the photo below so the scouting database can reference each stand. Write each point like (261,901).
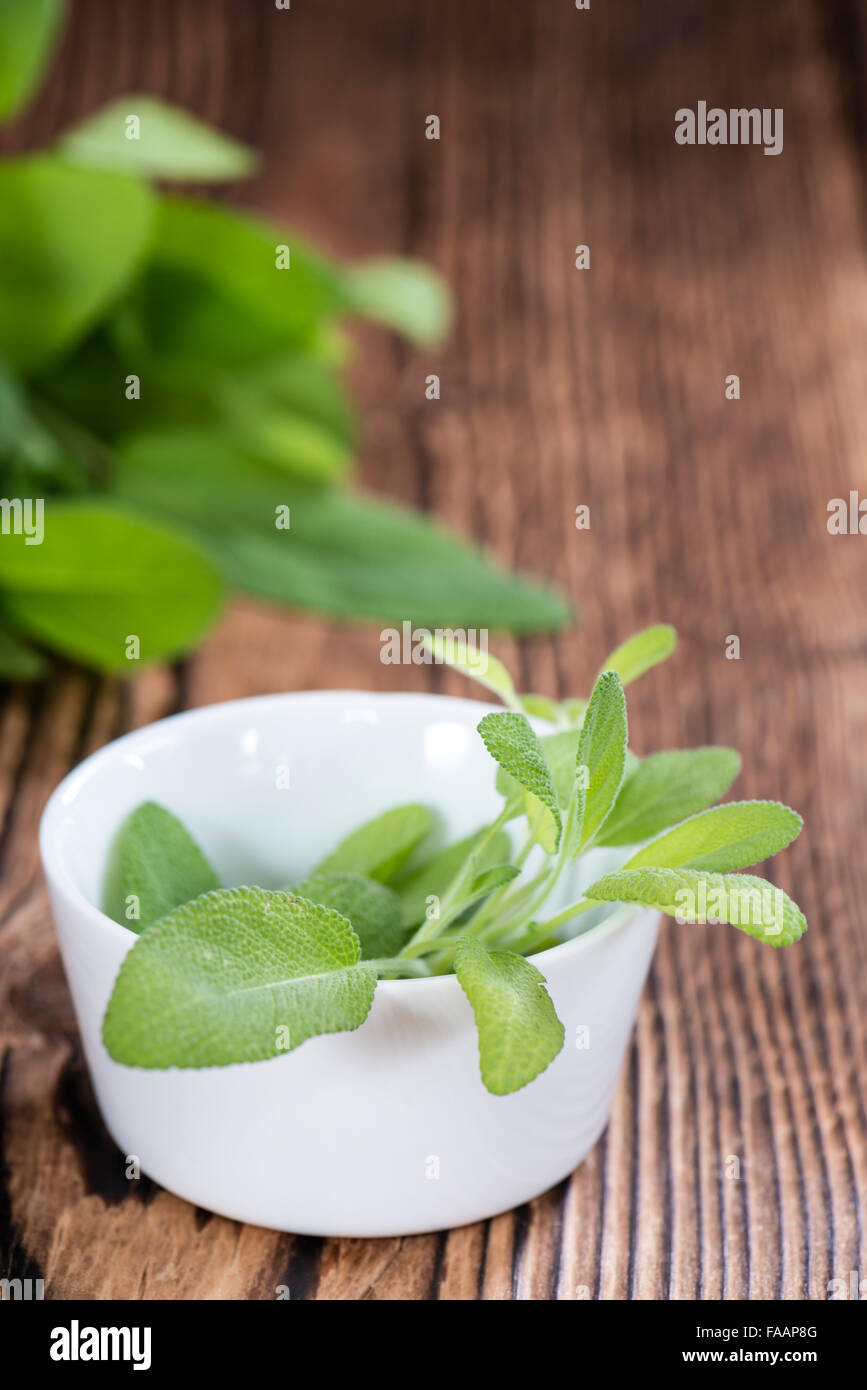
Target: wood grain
(735,1163)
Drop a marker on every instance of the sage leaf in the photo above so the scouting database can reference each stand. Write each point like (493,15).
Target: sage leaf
(101,577)
(601,757)
(28,29)
(380,848)
(268,431)
(344,554)
(62,263)
(636,655)
(155,866)
(408,568)
(432,878)
(167,143)
(512,743)
(519,1031)
(302,383)
(722,838)
(665,788)
(405,295)
(466,658)
(574,710)
(743,900)
(373,910)
(237,975)
(561,755)
(236,256)
(540,707)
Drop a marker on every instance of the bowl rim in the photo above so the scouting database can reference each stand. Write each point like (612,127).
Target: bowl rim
(50,823)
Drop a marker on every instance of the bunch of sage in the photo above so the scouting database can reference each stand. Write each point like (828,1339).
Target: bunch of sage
(241,974)
(172,422)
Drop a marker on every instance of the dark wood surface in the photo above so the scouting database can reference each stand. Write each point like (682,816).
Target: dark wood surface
(559,387)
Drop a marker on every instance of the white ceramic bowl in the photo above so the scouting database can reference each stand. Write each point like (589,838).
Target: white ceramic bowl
(384,1131)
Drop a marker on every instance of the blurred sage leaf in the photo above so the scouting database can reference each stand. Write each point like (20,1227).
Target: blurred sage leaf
(69,241)
(541,707)
(341,553)
(304,384)
(474,662)
(232,257)
(268,431)
(288,411)
(27,32)
(140,134)
(100,578)
(405,295)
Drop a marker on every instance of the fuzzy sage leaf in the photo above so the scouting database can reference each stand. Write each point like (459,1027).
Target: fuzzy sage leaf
(466,658)
(167,143)
(373,909)
(742,900)
(242,974)
(155,866)
(238,975)
(601,757)
(380,847)
(510,740)
(665,788)
(519,1031)
(722,838)
(431,879)
(639,653)
(27,31)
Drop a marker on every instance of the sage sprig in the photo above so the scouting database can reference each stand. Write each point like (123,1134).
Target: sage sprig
(236,974)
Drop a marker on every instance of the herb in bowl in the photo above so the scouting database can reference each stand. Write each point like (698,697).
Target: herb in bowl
(240,974)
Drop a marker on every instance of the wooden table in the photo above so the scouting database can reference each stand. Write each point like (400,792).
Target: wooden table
(560,387)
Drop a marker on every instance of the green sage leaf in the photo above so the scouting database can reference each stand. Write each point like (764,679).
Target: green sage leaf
(373,910)
(70,241)
(519,1031)
(431,879)
(107,589)
(343,554)
(405,295)
(639,653)
(601,757)
(154,867)
(511,742)
(665,788)
(238,975)
(28,29)
(722,838)
(380,848)
(743,900)
(164,143)
(463,656)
